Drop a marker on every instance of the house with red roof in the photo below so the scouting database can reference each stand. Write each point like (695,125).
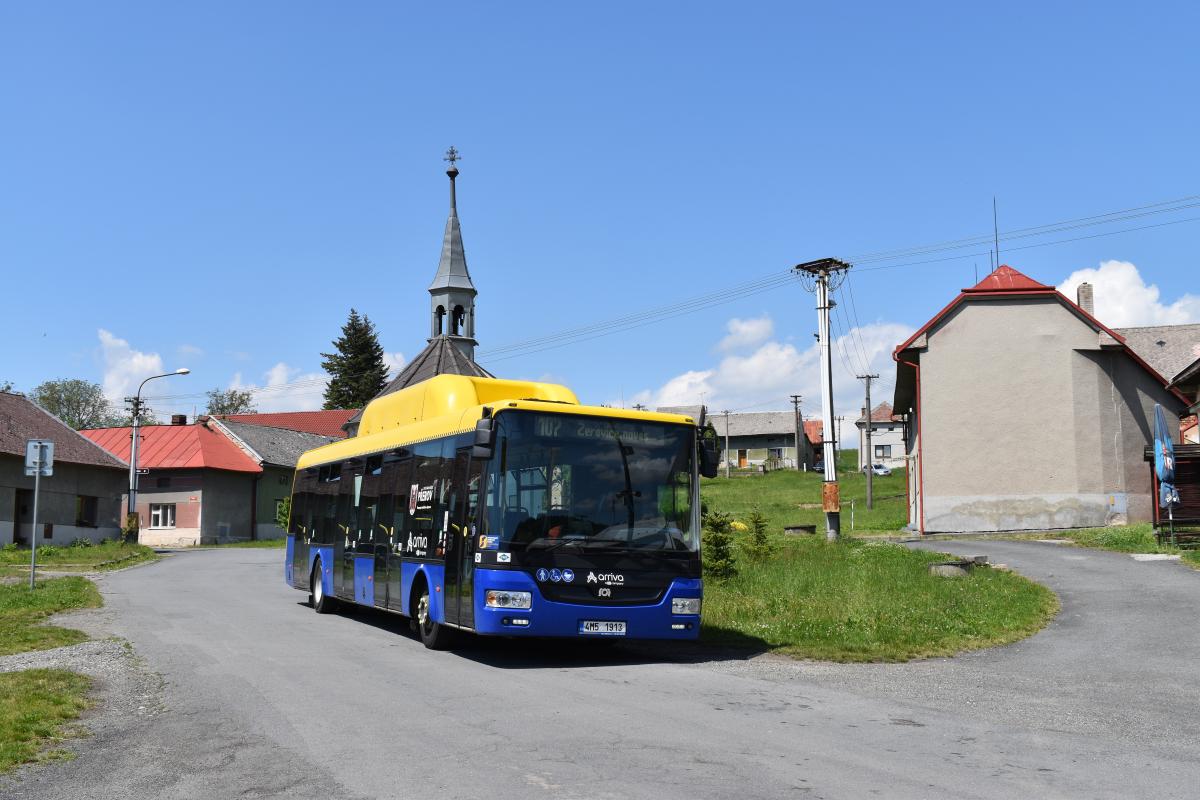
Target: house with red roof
(211,481)
(887,438)
(81,500)
(1025,412)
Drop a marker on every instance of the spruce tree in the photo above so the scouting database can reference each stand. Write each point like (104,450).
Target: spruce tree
(356,371)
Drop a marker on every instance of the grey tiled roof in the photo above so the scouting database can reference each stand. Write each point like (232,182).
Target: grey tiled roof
(1167,348)
(440,357)
(756,423)
(21,420)
(278,446)
(695,412)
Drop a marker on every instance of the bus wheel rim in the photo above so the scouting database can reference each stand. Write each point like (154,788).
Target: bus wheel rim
(318,588)
(423,611)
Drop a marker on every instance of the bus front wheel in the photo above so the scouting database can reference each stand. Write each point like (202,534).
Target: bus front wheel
(434,635)
(321,602)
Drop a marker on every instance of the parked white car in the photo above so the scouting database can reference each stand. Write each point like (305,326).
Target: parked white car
(878,469)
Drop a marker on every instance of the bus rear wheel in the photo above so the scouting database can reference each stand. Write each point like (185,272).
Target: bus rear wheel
(434,635)
(321,602)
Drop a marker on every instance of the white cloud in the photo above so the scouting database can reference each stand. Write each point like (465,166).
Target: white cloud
(763,379)
(1123,298)
(185,350)
(394,363)
(285,388)
(124,367)
(744,333)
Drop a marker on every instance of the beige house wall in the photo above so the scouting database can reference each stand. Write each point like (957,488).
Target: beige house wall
(1029,424)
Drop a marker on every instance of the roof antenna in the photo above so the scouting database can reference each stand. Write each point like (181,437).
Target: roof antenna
(976,265)
(996,230)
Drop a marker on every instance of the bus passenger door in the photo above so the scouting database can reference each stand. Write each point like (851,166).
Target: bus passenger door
(461,544)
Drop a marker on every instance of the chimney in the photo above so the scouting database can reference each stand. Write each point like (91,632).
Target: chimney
(1083,296)
(179,419)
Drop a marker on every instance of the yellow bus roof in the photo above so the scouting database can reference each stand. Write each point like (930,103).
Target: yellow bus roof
(448,404)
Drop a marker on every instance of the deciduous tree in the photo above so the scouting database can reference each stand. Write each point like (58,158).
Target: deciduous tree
(79,403)
(231,401)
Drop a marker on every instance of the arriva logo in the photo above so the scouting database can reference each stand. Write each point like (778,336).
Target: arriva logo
(606,578)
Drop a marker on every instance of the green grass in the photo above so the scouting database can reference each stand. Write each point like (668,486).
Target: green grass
(1122,539)
(22,609)
(1192,558)
(36,707)
(270,543)
(98,557)
(869,601)
(788,497)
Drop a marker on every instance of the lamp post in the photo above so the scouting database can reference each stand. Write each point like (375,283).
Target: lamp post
(136,403)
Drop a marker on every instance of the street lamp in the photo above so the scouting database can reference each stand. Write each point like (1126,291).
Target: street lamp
(136,402)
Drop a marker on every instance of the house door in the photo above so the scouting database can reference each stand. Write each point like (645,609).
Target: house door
(742,460)
(23,519)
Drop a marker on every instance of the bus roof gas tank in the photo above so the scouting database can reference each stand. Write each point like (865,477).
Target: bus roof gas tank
(451,395)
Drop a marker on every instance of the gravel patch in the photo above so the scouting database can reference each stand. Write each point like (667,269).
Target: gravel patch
(127,694)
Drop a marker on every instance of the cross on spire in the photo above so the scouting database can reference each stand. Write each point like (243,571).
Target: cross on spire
(452,156)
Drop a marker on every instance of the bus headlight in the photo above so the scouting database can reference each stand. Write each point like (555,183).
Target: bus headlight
(685,605)
(497,598)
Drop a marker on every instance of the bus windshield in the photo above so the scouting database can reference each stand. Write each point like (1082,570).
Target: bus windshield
(560,481)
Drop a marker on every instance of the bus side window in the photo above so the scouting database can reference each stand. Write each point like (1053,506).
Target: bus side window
(347,502)
(401,520)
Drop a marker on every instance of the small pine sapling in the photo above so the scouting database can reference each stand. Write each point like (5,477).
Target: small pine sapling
(719,562)
(758,546)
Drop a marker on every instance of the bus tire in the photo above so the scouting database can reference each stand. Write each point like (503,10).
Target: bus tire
(434,635)
(321,602)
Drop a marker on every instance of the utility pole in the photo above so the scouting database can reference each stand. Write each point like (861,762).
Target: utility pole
(799,452)
(137,405)
(870,452)
(726,413)
(818,275)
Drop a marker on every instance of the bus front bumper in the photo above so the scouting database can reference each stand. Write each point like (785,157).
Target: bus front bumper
(552,618)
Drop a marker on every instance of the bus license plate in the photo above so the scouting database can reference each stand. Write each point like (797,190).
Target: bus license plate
(602,628)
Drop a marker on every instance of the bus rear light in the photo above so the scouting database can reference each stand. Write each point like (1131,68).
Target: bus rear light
(496,598)
(685,605)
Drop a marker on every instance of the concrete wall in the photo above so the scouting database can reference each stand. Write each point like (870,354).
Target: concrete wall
(57,501)
(184,488)
(1029,424)
(275,484)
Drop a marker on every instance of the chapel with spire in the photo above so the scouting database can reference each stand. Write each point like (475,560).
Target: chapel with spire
(450,348)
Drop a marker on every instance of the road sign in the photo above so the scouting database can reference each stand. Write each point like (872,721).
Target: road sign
(39,457)
(143,472)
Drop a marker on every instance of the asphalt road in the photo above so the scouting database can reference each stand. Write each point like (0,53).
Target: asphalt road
(260,697)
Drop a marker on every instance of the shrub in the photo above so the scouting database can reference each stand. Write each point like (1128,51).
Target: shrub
(719,562)
(759,546)
(283,513)
(48,551)
(129,531)
(81,542)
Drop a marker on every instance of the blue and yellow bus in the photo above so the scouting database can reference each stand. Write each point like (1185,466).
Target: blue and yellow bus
(506,508)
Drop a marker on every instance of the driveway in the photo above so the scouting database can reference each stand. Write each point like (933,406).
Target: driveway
(260,697)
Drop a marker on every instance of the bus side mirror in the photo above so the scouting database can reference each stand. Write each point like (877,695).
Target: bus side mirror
(485,439)
(710,454)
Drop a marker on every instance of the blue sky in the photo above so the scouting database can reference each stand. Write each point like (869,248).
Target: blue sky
(215,185)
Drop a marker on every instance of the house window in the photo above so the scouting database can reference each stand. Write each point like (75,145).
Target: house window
(162,515)
(85,511)
(883,451)
(775,452)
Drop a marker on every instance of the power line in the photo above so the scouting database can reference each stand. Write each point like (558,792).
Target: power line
(777,279)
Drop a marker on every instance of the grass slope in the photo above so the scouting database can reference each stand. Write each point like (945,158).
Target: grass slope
(98,557)
(36,706)
(788,497)
(869,601)
(21,610)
